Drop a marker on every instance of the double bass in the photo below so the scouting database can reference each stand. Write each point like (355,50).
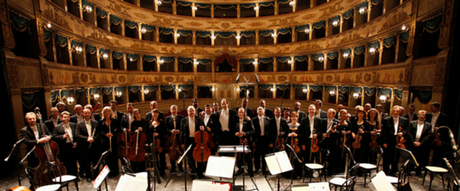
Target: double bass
(201,152)
(46,154)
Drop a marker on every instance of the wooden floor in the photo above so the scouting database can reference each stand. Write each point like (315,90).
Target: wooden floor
(268,183)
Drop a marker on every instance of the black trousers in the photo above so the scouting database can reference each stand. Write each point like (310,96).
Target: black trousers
(68,157)
(261,150)
(390,158)
(88,159)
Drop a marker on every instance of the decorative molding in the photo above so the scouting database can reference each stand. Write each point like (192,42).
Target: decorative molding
(7,37)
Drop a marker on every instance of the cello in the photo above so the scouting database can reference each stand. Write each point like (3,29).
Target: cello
(175,150)
(201,152)
(47,153)
(137,152)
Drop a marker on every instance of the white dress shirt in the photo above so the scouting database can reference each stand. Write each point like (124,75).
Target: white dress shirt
(420,126)
(223,119)
(35,130)
(68,130)
(88,127)
(262,125)
(312,125)
(191,127)
(396,124)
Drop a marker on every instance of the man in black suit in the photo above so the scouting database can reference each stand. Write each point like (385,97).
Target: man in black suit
(227,119)
(268,112)
(94,116)
(116,114)
(173,125)
(411,115)
(278,128)
(196,104)
(210,120)
(392,128)
(301,113)
(148,115)
(89,144)
(189,126)
(215,107)
(261,139)
(54,121)
(310,127)
(61,106)
(383,115)
(243,131)
(78,116)
(128,117)
(244,105)
(64,135)
(339,107)
(438,119)
(330,138)
(34,135)
(320,113)
(418,140)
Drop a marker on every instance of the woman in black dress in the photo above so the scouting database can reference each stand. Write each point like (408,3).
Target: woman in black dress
(109,128)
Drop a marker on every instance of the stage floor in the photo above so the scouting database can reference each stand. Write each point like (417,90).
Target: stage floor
(177,183)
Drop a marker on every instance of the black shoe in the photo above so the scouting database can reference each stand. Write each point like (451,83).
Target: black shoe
(251,174)
(264,172)
(181,169)
(256,171)
(240,171)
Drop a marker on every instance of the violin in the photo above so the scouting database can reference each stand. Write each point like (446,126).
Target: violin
(334,127)
(175,150)
(373,143)
(314,144)
(47,153)
(295,142)
(279,143)
(137,153)
(436,141)
(157,143)
(400,140)
(201,152)
(357,143)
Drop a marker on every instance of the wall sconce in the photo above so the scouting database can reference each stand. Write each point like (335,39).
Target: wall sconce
(404,28)
(274,35)
(256,8)
(254,62)
(238,37)
(238,89)
(196,63)
(372,50)
(383,98)
(332,92)
(146,91)
(77,49)
(304,90)
(272,89)
(48,25)
(335,23)
(362,10)
(143,30)
(291,3)
(179,90)
(321,59)
(307,30)
(118,93)
(213,89)
(96,96)
(346,55)
(87,9)
(356,95)
(159,2)
(130,59)
(161,61)
(70,100)
(290,61)
(213,37)
(104,56)
(195,8)
(177,35)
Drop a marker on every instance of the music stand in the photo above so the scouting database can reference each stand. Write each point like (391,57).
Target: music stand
(184,155)
(283,164)
(409,157)
(290,159)
(101,162)
(238,149)
(18,156)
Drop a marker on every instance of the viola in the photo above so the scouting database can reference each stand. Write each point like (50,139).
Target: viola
(436,141)
(314,144)
(47,153)
(295,141)
(279,143)
(201,152)
(400,140)
(137,152)
(373,143)
(357,143)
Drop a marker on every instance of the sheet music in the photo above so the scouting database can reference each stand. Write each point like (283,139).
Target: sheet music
(226,149)
(104,172)
(300,188)
(202,185)
(283,160)
(272,164)
(240,149)
(319,186)
(219,166)
(381,182)
(132,183)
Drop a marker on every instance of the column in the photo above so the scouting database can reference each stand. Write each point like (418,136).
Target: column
(257,38)
(275,64)
(176,64)
(380,51)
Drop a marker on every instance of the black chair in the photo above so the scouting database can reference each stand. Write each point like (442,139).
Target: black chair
(347,183)
(320,168)
(368,167)
(35,186)
(453,183)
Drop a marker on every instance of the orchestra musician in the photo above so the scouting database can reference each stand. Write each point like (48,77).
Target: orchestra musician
(411,115)
(196,104)
(138,125)
(173,125)
(110,127)
(310,127)
(244,105)
(94,116)
(157,131)
(148,115)
(278,129)
(320,113)
(361,136)
(438,119)
(89,144)
(418,140)
(339,108)
(64,136)
(344,130)
(390,133)
(210,120)
(215,107)
(61,106)
(287,114)
(243,132)
(261,139)
(116,114)
(78,116)
(302,114)
(224,129)
(268,112)
(294,129)
(55,119)
(375,129)
(330,139)
(189,126)
(33,136)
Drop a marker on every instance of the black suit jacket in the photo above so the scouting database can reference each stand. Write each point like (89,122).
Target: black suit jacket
(415,117)
(388,130)
(29,135)
(269,113)
(441,121)
(232,120)
(273,129)
(59,131)
(119,118)
(249,112)
(114,128)
(169,122)
(50,125)
(305,132)
(257,127)
(424,138)
(74,118)
(247,128)
(82,137)
(185,131)
(212,122)
(330,141)
(97,116)
(323,114)
(302,115)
